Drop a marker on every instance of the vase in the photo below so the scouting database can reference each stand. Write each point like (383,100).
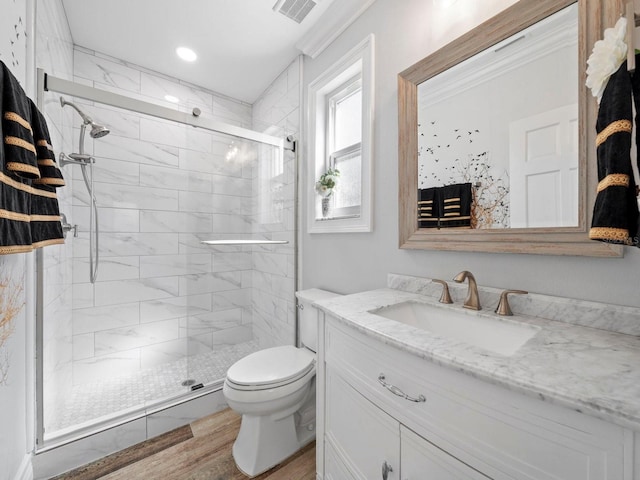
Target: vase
(326,206)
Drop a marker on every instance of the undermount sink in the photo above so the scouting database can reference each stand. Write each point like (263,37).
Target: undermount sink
(500,336)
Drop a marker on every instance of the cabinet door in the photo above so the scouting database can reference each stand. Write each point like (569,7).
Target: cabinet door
(334,469)
(363,437)
(420,459)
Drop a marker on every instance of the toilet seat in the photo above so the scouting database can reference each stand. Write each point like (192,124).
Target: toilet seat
(271,368)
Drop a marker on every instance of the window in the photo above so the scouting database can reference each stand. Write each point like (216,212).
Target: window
(340,133)
(344,146)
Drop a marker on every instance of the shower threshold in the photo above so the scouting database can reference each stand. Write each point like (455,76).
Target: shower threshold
(102,424)
(97,407)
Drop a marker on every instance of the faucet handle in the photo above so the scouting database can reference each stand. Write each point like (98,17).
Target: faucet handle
(445,297)
(503,307)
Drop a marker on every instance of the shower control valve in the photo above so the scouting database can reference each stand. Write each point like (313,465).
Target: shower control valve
(67,227)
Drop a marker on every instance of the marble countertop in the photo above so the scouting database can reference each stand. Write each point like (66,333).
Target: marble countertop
(589,370)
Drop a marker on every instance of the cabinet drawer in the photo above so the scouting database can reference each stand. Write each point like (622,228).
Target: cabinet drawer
(362,436)
(504,434)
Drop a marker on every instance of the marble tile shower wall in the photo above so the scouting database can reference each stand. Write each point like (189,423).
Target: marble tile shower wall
(161,188)
(276,112)
(54,53)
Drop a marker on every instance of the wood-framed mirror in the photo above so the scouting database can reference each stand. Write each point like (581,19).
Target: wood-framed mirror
(418,179)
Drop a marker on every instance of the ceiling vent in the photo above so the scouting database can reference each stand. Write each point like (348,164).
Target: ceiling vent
(296,10)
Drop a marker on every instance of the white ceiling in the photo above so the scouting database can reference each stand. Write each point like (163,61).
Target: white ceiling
(242,45)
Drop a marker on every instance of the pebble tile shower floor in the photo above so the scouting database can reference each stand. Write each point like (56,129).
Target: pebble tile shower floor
(107,397)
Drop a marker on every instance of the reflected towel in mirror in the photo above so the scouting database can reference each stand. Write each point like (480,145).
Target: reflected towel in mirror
(445,207)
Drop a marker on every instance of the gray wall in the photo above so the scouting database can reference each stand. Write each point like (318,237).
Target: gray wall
(405,32)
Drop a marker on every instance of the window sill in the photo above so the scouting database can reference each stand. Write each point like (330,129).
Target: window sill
(337,217)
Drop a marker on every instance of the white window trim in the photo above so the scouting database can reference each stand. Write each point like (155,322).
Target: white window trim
(359,60)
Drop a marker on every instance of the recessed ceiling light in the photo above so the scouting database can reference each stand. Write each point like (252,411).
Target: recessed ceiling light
(186,54)
(444,3)
(171,98)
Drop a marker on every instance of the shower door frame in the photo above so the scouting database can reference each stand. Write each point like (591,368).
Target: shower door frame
(49,83)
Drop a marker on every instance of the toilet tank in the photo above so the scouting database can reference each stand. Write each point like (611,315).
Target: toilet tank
(308,315)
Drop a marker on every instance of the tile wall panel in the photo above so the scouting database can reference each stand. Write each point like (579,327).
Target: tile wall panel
(127,196)
(123,339)
(116,244)
(96,319)
(97,69)
(125,291)
(163,265)
(176,307)
(175,179)
(110,268)
(136,151)
(112,171)
(172,134)
(157,87)
(111,219)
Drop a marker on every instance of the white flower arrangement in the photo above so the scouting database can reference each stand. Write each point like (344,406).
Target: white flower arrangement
(328,181)
(607,56)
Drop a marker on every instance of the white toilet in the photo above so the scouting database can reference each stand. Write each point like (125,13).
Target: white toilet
(274,391)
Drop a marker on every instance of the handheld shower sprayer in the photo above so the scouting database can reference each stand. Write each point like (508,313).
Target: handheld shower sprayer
(86,161)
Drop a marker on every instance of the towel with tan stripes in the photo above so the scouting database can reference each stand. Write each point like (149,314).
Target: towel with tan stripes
(615,213)
(445,207)
(29,175)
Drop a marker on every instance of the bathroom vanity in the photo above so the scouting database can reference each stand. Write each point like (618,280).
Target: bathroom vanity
(399,402)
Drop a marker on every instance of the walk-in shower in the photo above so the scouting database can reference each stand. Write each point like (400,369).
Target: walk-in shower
(86,162)
(196,255)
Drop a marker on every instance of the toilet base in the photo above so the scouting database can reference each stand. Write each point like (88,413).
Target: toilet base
(255,450)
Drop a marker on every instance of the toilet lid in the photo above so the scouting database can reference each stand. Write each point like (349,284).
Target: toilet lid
(271,366)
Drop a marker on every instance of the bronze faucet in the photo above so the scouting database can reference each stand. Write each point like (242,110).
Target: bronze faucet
(473,300)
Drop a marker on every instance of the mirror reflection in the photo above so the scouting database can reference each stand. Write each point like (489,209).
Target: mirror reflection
(498,134)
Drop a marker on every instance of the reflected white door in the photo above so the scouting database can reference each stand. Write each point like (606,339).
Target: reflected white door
(543,169)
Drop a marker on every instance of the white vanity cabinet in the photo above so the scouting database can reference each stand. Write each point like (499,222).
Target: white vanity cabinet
(363,442)
(464,429)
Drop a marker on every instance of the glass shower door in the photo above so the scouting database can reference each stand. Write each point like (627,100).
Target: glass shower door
(167,314)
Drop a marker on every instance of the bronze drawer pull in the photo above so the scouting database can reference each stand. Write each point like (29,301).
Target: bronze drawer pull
(396,391)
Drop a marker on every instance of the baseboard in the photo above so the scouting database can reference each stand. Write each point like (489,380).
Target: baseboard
(25,471)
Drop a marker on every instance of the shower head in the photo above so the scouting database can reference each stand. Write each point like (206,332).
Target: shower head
(97,130)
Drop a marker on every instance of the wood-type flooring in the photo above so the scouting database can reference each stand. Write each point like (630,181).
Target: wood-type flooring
(200,451)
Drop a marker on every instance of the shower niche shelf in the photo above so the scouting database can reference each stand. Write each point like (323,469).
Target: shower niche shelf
(244,242)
